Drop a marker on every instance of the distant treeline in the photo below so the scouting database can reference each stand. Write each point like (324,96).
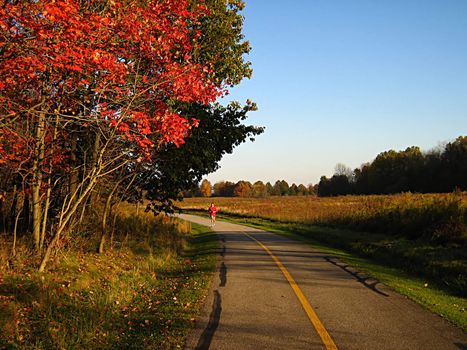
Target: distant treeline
(437,171)
(440,170)
(247,189)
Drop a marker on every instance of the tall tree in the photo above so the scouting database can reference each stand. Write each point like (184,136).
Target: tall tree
(205,189)
(105,72)
(269,189)
(259,189)
(302,190)
(455,160)
(243,189)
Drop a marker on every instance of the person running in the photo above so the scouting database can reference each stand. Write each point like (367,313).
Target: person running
(213,212)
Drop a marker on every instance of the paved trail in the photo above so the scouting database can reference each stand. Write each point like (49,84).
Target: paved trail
(275,293)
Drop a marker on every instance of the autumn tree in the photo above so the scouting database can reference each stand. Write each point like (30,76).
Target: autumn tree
(259,189)
(104,101)
(312,189)
(243,189)
(281,188)
(217,188)
(205,189)
(103,76)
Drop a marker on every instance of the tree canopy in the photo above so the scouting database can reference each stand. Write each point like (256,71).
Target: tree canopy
(113,99)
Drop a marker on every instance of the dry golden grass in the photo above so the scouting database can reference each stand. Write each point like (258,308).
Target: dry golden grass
(143,293)
(311,208)
(433,215)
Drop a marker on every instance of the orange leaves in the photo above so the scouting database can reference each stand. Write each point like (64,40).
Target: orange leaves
(116,69)
(74,67)
(13,146)
(71,43)
(123,127)
(60,10)
(143,122)
(174,128)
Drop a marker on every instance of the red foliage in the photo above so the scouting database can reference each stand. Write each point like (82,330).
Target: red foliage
(117,62)
(13,147)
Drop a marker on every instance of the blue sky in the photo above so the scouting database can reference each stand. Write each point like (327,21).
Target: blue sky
(339,81)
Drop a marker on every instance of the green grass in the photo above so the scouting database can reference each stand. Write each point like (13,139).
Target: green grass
(363,251)
(139,295)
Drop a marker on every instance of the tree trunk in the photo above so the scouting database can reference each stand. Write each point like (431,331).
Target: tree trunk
(45,215)
(36,216)
(15,230)
(49,190)
(95,159)
(37,180)
(48,251)
(104,217)
(113,231)
(73,181)
(83,211)
(108,211)
(26,213)
(65,219)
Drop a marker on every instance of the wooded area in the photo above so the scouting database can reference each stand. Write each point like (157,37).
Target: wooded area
(437,171)
(99,102)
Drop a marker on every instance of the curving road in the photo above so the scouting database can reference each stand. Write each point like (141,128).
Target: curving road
(275,293)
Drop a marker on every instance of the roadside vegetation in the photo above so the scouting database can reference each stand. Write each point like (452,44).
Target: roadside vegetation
(415,243)
(144,292)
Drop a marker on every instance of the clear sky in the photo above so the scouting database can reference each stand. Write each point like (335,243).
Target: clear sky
(339,81)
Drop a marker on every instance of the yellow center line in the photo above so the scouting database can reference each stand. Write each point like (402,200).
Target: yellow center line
(315,321)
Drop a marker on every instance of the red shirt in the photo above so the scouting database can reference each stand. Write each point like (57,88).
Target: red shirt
(213,210)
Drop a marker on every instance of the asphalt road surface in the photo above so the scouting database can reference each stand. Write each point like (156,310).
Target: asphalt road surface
(271,292)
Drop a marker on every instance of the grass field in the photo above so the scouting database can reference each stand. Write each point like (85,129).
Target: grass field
(143,293)
(439,218)
(428,265)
